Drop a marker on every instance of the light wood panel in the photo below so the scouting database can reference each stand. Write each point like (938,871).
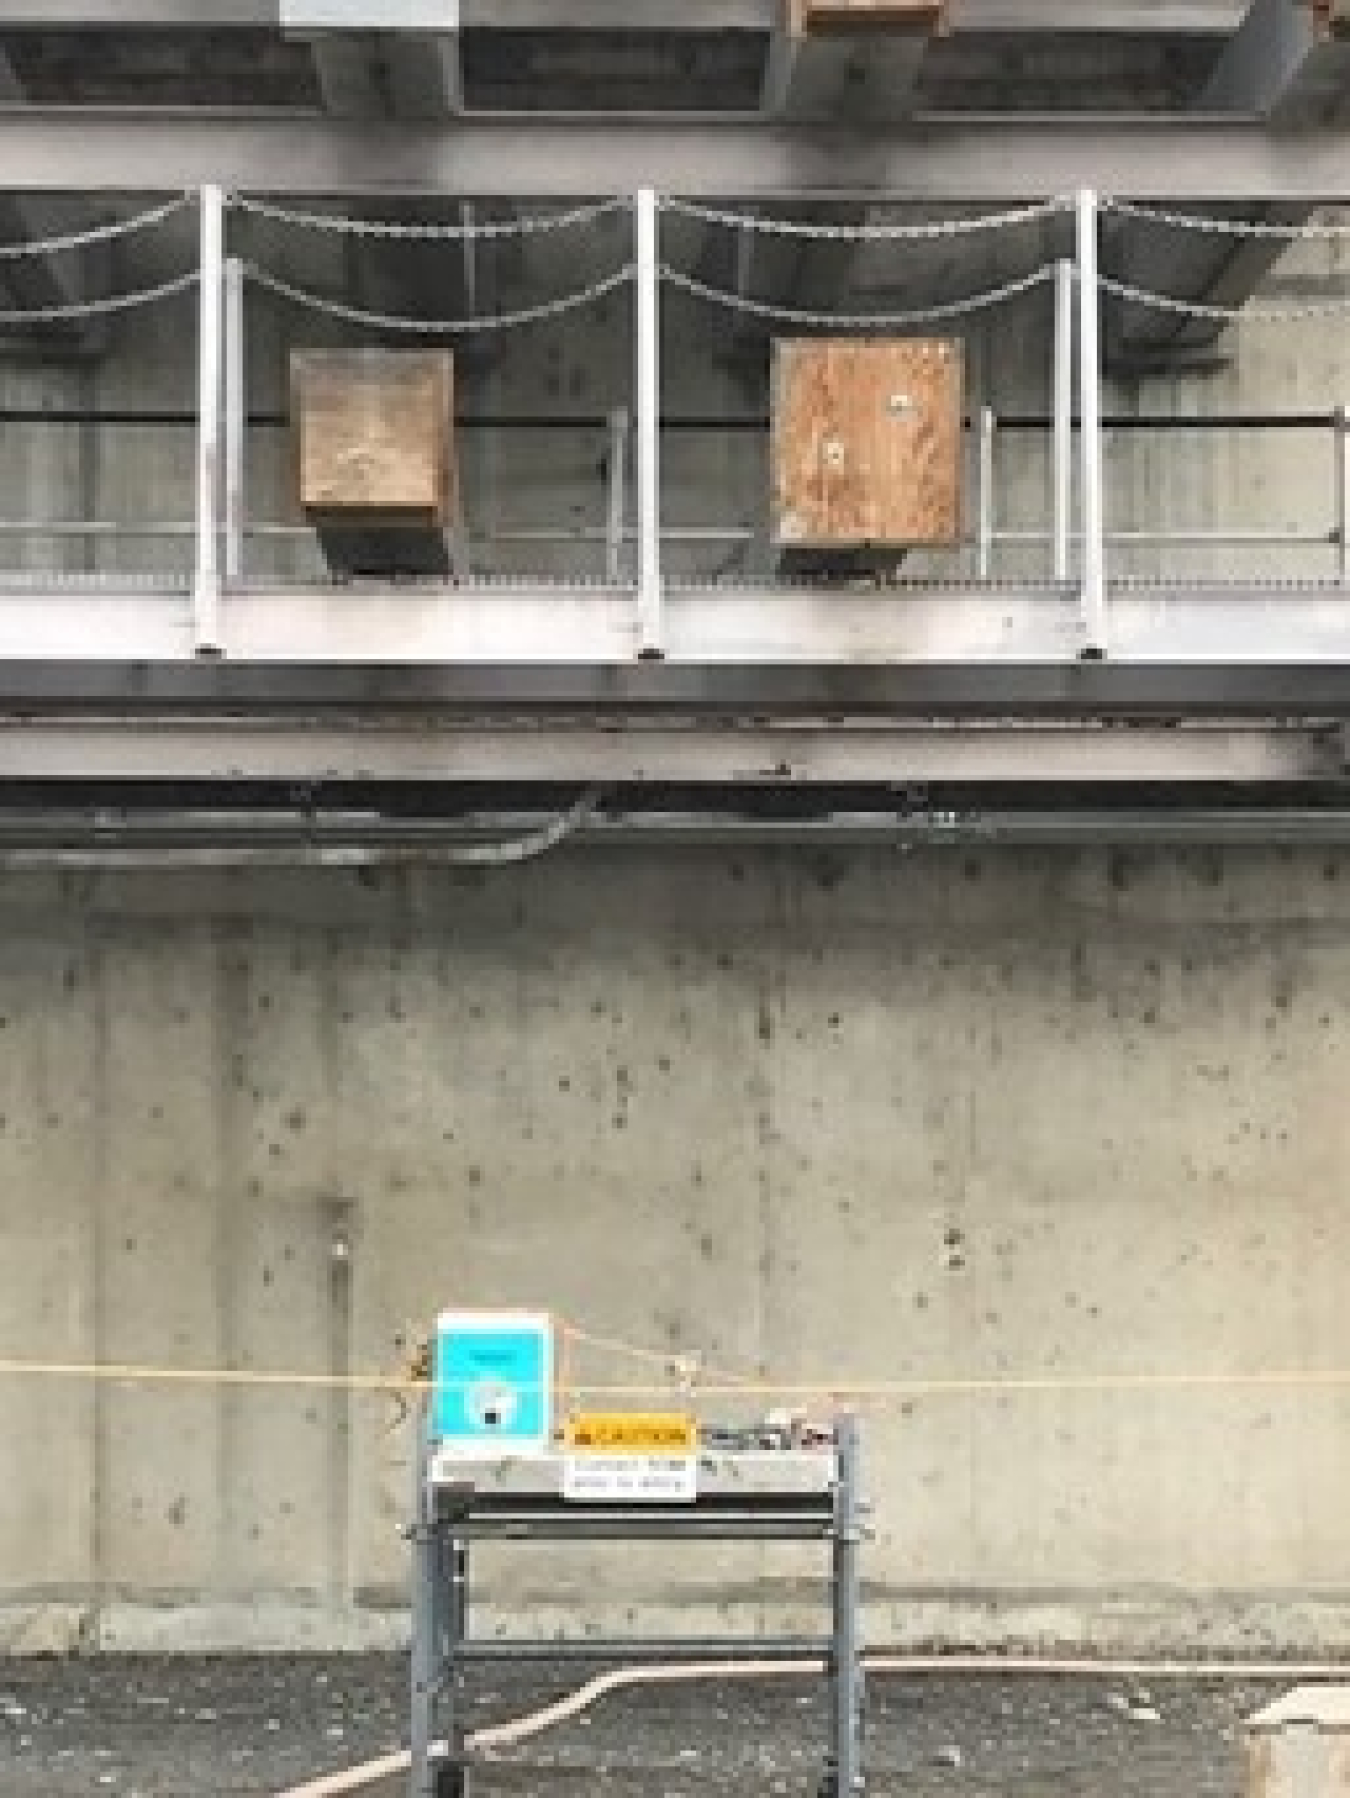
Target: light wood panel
(375,434)
(867,442)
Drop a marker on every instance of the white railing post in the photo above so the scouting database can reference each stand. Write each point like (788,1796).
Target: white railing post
(236,420)
(210,351)
(984,542)
(1061,499)
(650,633)
(616,522)
(1090,428)
(1341,427)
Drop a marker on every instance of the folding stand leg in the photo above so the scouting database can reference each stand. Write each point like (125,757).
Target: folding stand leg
(425,1665)
(452,1578)
(844,1777)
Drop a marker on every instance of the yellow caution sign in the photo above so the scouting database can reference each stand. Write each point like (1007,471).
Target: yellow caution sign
(632,1433)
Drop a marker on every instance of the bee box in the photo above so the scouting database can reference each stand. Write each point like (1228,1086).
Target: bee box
(866,444)
(812,18)
(375,433)
(375,456)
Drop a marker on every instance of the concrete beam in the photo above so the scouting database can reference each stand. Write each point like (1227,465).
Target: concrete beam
(805,754)
(865,73)
(933,159)
(1288,63)
(389,75)
(348,76)
(1221,271)
(426,75)
(101,681)
(500,626)
(504,15)
(1123,17)
(35,282)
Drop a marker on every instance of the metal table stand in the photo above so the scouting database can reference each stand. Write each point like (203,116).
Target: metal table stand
(779,1495)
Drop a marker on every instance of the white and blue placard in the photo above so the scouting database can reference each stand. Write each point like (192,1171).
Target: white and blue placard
(492,1383)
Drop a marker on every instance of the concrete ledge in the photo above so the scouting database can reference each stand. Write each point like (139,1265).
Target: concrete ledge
(1132,1625)
(46,1629)
(198,1629)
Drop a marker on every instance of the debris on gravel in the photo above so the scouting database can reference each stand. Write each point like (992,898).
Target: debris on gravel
(249,1727)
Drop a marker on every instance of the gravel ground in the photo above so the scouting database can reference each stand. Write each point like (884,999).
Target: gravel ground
(165,1727)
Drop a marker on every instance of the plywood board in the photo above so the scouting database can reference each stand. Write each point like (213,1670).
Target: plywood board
(374,435)
(812,18)
(867,442)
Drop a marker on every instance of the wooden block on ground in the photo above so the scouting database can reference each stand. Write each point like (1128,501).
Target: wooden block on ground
(1299,1747)
(867,447)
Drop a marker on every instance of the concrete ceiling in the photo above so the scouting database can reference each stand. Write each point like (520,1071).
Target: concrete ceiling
(574,70)
(1010,57)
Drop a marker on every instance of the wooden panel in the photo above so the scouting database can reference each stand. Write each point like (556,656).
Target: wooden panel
(814,18)
(867,442)
(374,435)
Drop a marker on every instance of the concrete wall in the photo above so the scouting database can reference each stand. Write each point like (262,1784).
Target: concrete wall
(863,1117)
(860,1117)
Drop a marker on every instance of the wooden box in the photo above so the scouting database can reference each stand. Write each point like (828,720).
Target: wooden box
(375,456)
(814,18)
(867,446)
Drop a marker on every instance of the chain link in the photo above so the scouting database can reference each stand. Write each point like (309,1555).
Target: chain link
(435,327)
(1313,229)
(880,233)
(97,234)
(858,321)
(103,306)
(396,232)
(1227,315)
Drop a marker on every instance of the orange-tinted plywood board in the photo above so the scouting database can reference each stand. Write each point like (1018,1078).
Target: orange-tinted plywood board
(375,433)
(813,18)
(867,442)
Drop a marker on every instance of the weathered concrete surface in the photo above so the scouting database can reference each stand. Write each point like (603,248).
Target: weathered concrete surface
(863,1117)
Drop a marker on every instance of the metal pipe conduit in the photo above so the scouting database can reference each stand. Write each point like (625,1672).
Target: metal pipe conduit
(1163,422)
(1198,536)
(656,1649)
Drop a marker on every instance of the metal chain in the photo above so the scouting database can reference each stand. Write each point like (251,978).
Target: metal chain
(858,321)
(1215,227)
(893,232)
(97,234)
(433,327)
(102,307)
(397,232)
(1228,315)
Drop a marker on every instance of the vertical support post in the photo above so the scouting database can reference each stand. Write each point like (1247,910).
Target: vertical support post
(468,220)
(846,1678)
(423,1666)
(236,420)
(617,517)
(650,635)
(1341,428)
(1061,502)
(210,333)
(984,548)
(1090,428)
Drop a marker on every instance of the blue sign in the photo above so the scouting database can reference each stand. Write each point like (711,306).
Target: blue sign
(492,1382)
